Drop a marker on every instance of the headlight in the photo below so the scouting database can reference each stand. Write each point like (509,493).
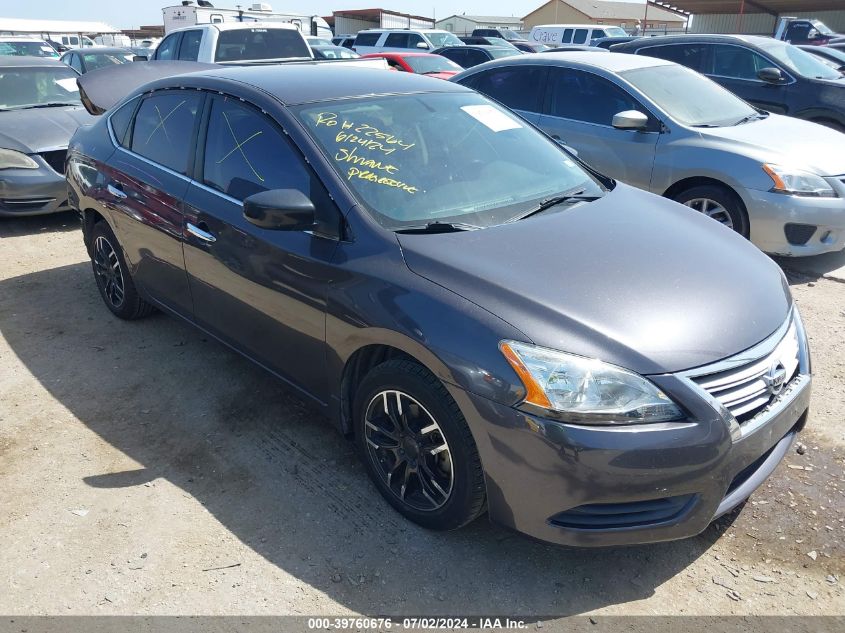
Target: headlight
(797,182)
(10,159)
(587,391)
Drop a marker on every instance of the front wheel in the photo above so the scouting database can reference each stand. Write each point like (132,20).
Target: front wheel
(417,447)
(718,203)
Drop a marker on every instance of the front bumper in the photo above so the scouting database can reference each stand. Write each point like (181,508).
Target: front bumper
(770,213)
(593,486)
(32,191)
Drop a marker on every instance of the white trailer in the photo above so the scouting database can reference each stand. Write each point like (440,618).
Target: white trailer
(189,13)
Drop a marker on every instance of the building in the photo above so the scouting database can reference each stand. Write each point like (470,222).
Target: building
(350,21)
(756,17)
(466,24)
(624,14)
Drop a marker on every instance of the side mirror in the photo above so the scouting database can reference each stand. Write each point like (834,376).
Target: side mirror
(422,45)
(630,120)
(139,58)
(280,210)
(770,75)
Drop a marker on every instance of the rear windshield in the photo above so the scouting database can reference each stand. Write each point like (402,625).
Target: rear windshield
(29,49)
(258,43)
(496,53)
(423,64)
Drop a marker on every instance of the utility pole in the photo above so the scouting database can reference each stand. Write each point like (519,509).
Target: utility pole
(741,16)
(645,18)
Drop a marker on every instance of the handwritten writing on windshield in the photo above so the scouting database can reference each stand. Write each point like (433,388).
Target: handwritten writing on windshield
(351,137)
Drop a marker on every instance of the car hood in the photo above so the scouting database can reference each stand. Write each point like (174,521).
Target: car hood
(789,140)
(633,279)
(41,129)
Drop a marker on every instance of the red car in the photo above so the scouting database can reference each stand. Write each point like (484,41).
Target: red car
(420,63)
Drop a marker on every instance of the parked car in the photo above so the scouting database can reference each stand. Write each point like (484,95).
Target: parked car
(39,111)
(568,48)
(333,52)
(420,63)
(530,47)
(666,129)
(24,45)
(468,56)
(347,41)
(508,35)
(488,41)
(398,40)
(401,280)
(812,32)
(608,42)
(769,74)
(833,57)
(87,59)
(559,34)
(234,42)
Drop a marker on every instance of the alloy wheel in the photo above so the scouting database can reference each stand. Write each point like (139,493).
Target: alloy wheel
(109,274)
(711,209)
(409,450)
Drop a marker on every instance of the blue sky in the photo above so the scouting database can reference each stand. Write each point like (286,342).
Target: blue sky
(133,13)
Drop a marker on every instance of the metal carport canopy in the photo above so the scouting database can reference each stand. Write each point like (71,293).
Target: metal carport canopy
(774,7)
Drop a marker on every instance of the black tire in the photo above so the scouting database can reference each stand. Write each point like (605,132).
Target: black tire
(725,198)
(112,276)
(466,499)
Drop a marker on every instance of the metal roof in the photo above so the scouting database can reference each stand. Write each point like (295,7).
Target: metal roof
(486,19)
(19,25)
(774,7)
(609,10)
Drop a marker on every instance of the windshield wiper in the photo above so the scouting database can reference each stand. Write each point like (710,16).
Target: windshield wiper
(57,104)
(439,227)
(751,117)
(545,205)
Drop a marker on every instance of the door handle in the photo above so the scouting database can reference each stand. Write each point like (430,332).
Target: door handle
(201,234)
(116,192)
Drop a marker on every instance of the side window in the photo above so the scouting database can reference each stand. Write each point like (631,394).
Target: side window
(366,39)
(190,48)
(167,48)
(121,120)
(397,40)
(164,128)
(737,62)
(456,55)
(798,33)
(597,33)
(414,39)
(566,38)
(75,62)
(474,58)
(689,55)
(581,96)
(517,88)
(580,36)
(245,153)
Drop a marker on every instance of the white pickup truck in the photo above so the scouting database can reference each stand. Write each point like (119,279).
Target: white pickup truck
(242,43)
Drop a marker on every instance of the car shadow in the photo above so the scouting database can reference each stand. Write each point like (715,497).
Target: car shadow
(828,265)
(31,225)
(281,479)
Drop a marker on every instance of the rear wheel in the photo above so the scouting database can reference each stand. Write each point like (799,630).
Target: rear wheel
(417,447)
(112,275)
(718,203)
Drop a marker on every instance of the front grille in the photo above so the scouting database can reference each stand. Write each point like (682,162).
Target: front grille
(747,388)
(637,514)
(56,160)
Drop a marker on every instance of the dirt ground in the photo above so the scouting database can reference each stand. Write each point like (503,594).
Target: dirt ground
(145,469)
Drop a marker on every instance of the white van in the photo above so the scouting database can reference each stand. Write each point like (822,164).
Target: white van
(559,34)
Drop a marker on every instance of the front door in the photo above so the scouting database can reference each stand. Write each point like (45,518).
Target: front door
(579,111)
(262,291)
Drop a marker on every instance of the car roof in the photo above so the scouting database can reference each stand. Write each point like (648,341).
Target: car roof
(611,62)
(12,61)
(311,82)
(481,47)
(21,38)
(236,26)
(755,40)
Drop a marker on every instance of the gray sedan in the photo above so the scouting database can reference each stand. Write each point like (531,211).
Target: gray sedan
(667,129)
(39,112)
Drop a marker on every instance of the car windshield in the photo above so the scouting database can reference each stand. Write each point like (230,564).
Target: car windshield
(498,41)
(22,87)
(334,52)
(423,64)
(510,35)
(28,49)
(259,43)
(419,159)
(821,27)
(799,61)
(102,60)
(689,98)
(319,41)
(615,31)
(443,39)
(497,52)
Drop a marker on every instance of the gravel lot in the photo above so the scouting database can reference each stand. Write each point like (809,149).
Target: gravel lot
(145,469)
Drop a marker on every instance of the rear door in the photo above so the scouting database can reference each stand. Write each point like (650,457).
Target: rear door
(147,179)
(579,110)
(262,291)
(736,68)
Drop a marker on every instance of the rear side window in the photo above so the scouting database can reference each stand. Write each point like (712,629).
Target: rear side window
(258,43)
(585,97)
(164,128)
(367,39)
(121,120)
(580,36)
(689,55)
(75,62)
(518,88)
(245,153)
(167,48)
(190,49)
(397,40)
